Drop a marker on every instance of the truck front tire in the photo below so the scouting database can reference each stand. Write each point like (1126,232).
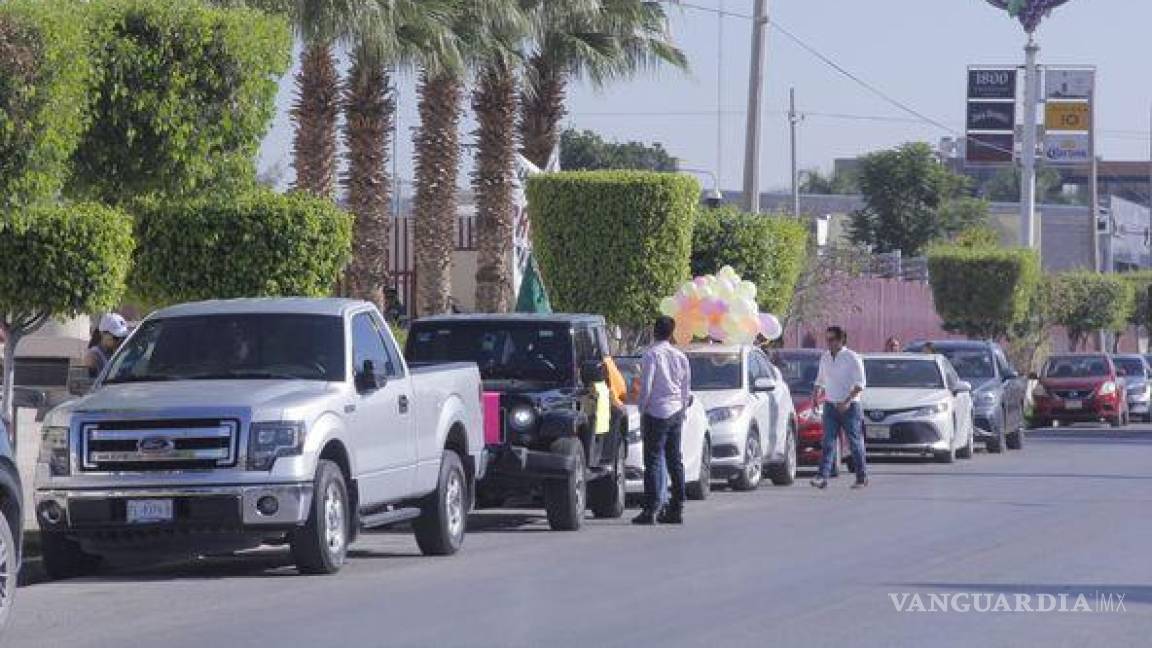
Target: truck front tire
(564,498)
(440,527)
(321,545)
(64,558)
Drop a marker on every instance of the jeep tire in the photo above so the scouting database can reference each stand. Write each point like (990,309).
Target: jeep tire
(606,495)
(564,498)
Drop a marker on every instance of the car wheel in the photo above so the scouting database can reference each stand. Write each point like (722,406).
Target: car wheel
(947,456)
(1116,421)
(564,498)
(753,470)
(784,474)
(969,448)
(440,527)
(321,546)
(702,487)
(9,570)
(608,493)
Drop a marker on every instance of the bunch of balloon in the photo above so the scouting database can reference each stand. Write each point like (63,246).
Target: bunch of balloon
(720,308)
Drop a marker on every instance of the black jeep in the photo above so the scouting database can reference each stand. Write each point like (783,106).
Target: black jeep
(539,373)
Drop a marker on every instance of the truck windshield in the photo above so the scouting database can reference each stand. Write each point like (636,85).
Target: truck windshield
(233,347)
(502,350)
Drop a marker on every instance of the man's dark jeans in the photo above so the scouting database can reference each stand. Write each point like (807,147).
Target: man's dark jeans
(852,422)
(662,451)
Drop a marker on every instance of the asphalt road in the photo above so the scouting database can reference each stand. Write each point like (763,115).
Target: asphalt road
(782,566)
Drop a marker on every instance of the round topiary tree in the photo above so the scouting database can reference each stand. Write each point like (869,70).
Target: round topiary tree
(612,242)
(256,244)
(58,261)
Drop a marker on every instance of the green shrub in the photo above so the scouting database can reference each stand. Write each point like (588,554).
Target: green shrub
(612,242)
(1086,301)
(767,250)
(1141,282)
(255,244)
(182,96)
(982,292)
(44,73)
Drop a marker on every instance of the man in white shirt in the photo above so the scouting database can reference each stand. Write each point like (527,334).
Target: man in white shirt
(841,381)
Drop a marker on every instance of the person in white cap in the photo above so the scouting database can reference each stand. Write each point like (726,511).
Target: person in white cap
(107,337)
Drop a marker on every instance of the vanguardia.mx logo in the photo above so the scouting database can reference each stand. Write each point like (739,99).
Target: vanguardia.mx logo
(965,602)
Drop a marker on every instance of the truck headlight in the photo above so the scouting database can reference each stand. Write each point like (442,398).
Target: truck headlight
(54,451)
(269,440)
(721,414)
(932,410)
(521,418)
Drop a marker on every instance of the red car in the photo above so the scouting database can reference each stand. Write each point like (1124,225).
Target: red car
(1080,387)
(799,368)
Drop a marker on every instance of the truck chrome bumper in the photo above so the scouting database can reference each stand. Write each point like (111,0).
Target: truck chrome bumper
(225,507)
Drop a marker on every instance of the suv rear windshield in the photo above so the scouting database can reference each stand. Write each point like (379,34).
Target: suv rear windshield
(716,371)
(234,347)
(970,363)
(528,351)
(799,370)
(1076,367)
(902,373)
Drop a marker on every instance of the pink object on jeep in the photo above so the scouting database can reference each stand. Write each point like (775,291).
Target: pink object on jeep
(492,418)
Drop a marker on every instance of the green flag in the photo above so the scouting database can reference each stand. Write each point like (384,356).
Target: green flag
(532,298)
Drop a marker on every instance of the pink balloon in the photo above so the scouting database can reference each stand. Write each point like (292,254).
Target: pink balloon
(770,326)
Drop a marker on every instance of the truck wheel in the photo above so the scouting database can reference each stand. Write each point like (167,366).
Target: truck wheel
(606,498)
(440,527)
(784,474)
(63,557)
(564,498)
(321,545)
(702,487)
(753,468)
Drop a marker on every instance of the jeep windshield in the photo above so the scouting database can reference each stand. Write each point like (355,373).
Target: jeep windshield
(232,347)
(504,351)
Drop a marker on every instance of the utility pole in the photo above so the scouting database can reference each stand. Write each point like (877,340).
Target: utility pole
(793,121)
(1028,234)
(755,90)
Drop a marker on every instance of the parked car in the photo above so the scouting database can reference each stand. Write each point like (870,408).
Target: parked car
(695,441)
(1136,384)
(11,526)
(539,370)
(917,404)
(799,368)
(998,390)
(1079,387)
(223,425)
(750,414)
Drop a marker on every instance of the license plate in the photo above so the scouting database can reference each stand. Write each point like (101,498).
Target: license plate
(879,432)
(149,511)
(1073,404)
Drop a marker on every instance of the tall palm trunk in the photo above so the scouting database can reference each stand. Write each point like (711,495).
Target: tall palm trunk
(493,178)
(542,110)
(315,112)
(369,114)
(437,167)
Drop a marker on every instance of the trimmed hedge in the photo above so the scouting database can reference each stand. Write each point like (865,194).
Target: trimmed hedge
(44,72)
(63,260)
(1141,282)
(981,292)
(1086,301)
(182,95)
(769,251)
(253,245)
(612,242)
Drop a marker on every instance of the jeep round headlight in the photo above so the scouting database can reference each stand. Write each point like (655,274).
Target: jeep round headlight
(521,418)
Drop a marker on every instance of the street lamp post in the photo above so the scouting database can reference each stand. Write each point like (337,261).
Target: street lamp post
(712,197)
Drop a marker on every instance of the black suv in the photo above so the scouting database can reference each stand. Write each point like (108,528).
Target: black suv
(998,391)
(538,373)
(11,522)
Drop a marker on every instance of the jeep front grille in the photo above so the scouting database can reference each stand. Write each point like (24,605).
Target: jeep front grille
(159,445)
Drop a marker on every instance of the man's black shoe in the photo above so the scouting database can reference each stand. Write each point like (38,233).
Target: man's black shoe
(671,516)
(645,519)
(860,483)
(819,482)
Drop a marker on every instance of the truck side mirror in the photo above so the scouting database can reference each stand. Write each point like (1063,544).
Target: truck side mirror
(367,380)
(592,372)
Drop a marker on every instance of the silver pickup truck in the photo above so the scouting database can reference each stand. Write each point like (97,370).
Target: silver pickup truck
(224,425)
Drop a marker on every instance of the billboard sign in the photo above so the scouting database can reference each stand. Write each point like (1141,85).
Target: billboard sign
(992,84)
(1067,116)
(990,148)
(1067,148)
(1069,84)
(991,116)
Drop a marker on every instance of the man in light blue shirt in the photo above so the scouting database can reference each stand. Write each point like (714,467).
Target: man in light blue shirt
(665,394)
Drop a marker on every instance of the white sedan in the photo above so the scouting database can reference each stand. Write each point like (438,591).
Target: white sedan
(695,442)
(750,414)
(917,404)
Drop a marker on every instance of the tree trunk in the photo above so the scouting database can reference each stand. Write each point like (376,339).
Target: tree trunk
(369,114)
(541,110)
(315,112)
(437,167)
(9,411)
(493,180)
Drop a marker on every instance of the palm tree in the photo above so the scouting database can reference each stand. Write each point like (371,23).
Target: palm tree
(601,41)
(315,112)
